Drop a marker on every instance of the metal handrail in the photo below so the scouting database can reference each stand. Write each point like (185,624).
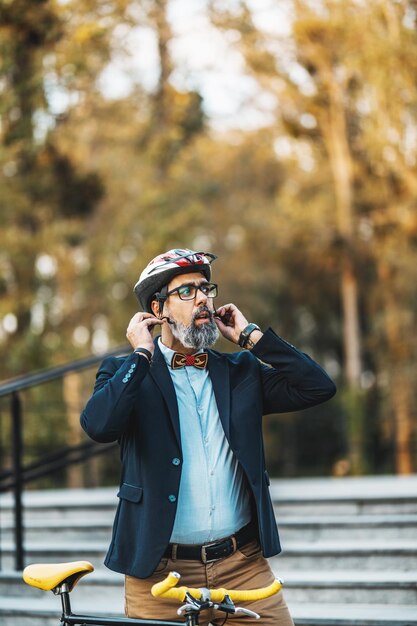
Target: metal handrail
(51,464)
(25,381)
(20,475)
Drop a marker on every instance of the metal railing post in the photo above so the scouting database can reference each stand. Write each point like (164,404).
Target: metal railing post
(16,412)
(0,536)
(1,468)
(14,478)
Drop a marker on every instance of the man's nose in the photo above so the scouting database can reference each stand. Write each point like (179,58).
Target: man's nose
(200,298)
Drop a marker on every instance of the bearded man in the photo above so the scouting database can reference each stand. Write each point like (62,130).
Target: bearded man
(194,491)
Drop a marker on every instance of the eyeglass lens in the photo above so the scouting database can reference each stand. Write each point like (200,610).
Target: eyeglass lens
(189,292)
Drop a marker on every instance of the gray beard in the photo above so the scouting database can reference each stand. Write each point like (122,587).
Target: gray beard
(197,337)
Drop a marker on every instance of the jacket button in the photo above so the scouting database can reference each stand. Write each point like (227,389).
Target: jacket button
(172,498)
(175,461)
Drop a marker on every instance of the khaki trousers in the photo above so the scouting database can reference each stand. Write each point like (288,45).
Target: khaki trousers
(245,569)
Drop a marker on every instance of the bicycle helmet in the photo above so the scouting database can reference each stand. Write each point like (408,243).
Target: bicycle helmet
(162,269)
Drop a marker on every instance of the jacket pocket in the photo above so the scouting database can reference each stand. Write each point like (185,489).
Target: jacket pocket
(130,492)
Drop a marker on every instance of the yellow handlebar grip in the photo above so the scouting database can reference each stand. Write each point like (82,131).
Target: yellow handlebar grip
(246,595)
(179,593)
(165,589)
(158,589)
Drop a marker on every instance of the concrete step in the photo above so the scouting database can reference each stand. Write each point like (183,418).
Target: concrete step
(366,587)
(404,506)
(338,527)
(340,555)
(353,615)
(373,488)
(368,555)
(311,528)
(369,495)
(372,495)
(46,612)
(65,531)
(51,552)
(71,509)
(63,505)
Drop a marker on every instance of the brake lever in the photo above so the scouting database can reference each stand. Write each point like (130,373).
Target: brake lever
(232,609)
(247,612)
(185,608)
(194,605)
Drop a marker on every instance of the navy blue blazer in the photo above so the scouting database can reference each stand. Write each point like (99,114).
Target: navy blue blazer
(135,403)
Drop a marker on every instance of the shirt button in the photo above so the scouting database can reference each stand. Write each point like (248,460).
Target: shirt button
(172,498)
(175,461)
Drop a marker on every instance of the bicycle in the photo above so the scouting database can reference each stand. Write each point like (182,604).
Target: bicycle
(61,578)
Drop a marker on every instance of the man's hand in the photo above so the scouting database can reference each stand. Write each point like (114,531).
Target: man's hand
(230,322)
(139,330)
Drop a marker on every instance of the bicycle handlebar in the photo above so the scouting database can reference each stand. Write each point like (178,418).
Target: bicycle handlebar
(167,589)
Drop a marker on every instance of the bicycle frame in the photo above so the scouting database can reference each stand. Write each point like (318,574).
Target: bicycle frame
(69,618)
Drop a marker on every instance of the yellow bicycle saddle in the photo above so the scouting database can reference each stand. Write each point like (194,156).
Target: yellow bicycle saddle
(47,576)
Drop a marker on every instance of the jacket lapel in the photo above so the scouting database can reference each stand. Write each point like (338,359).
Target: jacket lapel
(160,374)
(219,374)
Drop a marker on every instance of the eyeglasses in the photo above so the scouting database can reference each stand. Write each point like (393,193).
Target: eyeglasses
(189,291)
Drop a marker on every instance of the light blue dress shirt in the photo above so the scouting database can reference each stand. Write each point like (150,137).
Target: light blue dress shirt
(213,501)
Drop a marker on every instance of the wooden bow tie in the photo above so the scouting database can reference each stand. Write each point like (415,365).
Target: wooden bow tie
(183,360)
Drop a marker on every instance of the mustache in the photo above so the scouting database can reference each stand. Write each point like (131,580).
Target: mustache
(203,309)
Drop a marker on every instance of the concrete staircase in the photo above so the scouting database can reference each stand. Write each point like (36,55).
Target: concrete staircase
(349,558)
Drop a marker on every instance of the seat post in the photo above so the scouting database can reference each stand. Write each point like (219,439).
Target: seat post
(63,591)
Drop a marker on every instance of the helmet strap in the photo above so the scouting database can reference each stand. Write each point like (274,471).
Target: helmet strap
(161,297)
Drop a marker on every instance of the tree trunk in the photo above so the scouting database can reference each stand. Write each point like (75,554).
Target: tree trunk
(336,139)
(400,382)
(403,424)
(73,404)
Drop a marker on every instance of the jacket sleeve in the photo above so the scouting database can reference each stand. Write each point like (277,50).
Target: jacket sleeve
(291,380)
(106,415)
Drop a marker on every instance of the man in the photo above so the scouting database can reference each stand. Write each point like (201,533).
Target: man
(194,488)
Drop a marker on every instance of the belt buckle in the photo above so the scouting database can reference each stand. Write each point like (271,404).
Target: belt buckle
(204,558)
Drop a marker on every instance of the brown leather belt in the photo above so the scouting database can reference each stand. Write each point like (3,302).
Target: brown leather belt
(215,550)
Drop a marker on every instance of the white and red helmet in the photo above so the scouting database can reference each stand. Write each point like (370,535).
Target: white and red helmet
(162,269)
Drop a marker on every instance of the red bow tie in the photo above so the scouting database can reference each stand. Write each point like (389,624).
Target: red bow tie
(183,360)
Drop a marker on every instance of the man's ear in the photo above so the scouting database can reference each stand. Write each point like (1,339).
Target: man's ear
(155,308)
